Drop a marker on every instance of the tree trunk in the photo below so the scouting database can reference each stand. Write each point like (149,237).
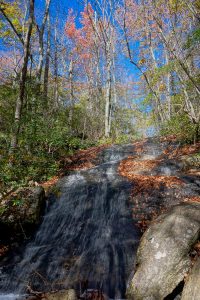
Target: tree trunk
(41,40)
(71,87)
(23,75)
(168,84)
(46,69)
(55,93)
(108,97)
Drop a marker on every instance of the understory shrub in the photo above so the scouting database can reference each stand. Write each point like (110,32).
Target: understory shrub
(181,126)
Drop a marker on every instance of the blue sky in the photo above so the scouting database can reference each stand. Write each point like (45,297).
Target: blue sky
(78,5)
(62,6)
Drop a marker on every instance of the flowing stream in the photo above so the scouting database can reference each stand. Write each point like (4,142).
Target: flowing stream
(87,235)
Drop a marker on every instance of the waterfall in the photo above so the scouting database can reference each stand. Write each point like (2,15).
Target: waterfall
(87,235)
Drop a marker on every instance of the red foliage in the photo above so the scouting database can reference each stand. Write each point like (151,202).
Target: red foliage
(70,27)
(83,38)
(87,16)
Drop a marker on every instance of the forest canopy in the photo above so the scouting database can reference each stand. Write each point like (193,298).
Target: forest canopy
(93,72)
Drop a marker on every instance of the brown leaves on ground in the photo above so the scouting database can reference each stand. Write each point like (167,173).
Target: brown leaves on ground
(146,183)
(145,186)
(84,159)
(168,138)
(192,199)
(129,166)
(181,151)
(195,172)
(139,146)
(197,248)
(194,254)
(50,182)
(81,160)
(3,250)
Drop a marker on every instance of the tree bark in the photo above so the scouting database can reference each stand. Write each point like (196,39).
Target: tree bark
(55,88)
(108,96)
(23,75)
(41,39)
(46,69)
(71,87)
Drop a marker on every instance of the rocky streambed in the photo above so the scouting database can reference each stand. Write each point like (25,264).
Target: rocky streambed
(88,238)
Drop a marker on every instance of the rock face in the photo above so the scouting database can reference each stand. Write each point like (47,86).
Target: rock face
(62,295)
(192,287)
(190,161)
(163,255)
(21,211)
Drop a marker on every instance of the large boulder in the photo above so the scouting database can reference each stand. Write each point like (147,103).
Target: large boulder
(163,254)
(190,161)
(21,211)
(191,289)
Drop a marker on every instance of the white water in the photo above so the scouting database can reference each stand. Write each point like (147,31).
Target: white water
(88,234)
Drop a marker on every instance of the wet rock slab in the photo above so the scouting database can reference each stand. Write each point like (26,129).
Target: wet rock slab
(163,255)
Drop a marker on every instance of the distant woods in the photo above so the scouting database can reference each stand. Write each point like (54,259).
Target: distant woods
(168,37)
(62,70)
(107,73)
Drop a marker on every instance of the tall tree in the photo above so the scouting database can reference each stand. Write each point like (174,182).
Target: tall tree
(23,76)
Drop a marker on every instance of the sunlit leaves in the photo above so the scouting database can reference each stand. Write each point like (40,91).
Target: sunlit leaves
(193,39)
(14,13)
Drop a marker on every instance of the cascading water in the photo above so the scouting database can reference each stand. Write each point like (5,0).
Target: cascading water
(87,235)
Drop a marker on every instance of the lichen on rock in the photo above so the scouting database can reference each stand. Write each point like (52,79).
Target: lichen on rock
(163,255)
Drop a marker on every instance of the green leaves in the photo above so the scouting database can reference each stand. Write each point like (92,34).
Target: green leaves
(157,73)
(181,126)
(15,14)
(17,202)
(193,39)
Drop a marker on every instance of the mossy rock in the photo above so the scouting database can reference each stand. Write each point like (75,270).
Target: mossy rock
(191,161)
(21,211)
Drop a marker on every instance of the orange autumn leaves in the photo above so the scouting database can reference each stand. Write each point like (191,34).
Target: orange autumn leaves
(138,170)
(82,39)
(81,160)
(180,151)
(192,199)
(143,183)
(84,159)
